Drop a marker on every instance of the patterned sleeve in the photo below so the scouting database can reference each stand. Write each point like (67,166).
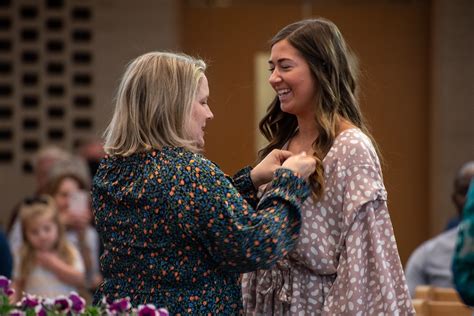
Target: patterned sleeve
(243,183)
(463,262)
(369,278)
(236,235)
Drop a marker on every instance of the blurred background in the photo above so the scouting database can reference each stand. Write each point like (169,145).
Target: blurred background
(61,62)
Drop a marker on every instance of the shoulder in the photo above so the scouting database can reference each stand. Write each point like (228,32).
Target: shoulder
(187,169)
(442,242)
(167,160)
(185,161)
(353,156)
(445,241)
(352,147)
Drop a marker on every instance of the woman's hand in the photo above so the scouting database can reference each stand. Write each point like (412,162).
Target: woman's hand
(263,172)
(302,164)
(76,220)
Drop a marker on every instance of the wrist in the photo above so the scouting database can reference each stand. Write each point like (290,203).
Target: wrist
(256,179)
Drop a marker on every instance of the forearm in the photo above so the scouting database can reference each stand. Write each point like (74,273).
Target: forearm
(243,182)
(265,237)
(68,274)
(18,287)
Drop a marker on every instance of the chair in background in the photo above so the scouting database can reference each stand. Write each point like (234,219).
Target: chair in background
(437,293)
(436,301)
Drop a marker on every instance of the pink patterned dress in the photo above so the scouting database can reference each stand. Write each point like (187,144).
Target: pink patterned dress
(346,260)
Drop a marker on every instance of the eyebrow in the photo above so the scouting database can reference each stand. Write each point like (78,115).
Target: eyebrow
(280,60)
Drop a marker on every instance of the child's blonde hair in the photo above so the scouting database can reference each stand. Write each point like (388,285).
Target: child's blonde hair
(30,210)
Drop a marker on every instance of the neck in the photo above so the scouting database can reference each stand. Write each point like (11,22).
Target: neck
(307,128)
(307,133)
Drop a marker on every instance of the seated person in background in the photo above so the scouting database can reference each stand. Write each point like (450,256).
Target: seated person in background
(47,264)
(463,263)
(69,186)
(430,263)
(6,260)
(71,192)
(44,160)
(92,150)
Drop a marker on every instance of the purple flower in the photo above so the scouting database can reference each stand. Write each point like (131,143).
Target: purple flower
(4,282)
(16,312)
(5,286)
(29,301)
(78,304)
(62,304)
(163,312)
(40,311)
(147,310)
(120,305)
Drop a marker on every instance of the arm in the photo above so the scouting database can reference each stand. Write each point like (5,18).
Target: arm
(69,274)
(247,180)
(369,271)
(415,269)
(369,276)
(236,235)
(242,181)
(6,264)
(18,283)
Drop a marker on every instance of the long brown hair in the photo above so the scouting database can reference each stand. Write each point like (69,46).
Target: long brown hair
(334,67)
(30,210)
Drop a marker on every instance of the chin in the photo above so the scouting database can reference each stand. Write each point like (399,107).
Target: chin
(285,107)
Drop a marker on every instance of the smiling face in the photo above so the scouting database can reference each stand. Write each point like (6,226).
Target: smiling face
(292,80)
(200,113)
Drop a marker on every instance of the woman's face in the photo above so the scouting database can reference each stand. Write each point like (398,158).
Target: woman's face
(200,113)
(42,233)
(63,195)
(292,80)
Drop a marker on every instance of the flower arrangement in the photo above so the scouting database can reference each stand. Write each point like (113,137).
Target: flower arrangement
(73,304)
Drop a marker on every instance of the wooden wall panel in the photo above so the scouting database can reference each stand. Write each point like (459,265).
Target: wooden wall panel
(391,40)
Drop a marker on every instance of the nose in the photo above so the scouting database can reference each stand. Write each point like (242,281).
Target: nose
(274,77)
(210,115)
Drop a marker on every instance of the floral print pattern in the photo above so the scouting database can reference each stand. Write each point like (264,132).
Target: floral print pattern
(346,260)
(177,233)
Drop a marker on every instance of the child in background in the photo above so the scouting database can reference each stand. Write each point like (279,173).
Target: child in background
(47,265)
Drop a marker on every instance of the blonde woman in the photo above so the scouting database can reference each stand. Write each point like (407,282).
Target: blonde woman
(176,230)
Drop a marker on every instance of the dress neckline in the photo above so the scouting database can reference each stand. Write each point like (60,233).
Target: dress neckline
(285,146)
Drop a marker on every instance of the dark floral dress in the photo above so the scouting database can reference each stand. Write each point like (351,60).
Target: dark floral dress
(177,233)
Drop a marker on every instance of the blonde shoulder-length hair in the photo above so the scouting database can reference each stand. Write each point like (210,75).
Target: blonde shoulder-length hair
(153,104)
